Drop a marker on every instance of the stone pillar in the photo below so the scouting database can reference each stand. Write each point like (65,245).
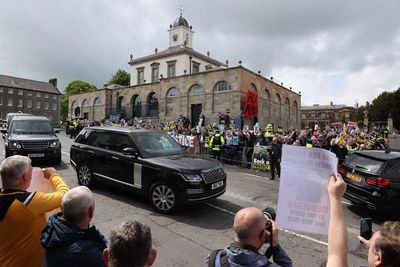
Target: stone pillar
(390,125)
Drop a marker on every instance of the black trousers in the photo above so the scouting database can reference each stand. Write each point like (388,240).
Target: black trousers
(217,154)
(275,165)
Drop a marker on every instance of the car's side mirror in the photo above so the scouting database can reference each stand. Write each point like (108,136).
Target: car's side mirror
(56,130)
(3,131)
(130,151)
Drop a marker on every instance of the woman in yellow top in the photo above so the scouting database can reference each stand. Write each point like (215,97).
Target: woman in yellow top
(22,213)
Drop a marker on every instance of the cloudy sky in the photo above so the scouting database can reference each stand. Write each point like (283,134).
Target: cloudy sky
(331,50)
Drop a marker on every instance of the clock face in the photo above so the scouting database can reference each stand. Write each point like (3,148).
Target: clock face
(175,37)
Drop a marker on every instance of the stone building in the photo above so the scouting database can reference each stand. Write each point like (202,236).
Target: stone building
(180,80)
(325,115)
(29,96)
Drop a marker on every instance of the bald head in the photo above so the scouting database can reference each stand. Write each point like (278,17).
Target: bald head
(248,223)
(76,204)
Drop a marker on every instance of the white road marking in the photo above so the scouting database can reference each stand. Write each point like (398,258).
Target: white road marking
(284,230)
(65,153)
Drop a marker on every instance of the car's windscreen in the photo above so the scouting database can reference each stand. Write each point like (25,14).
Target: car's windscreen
(157,144)
(31,127)
(364,164)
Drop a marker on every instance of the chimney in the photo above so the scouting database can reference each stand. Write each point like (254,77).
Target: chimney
(331,103)
(53,82)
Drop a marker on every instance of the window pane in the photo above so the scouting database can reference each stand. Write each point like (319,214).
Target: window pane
(222,86)
(173,92)
(196,89)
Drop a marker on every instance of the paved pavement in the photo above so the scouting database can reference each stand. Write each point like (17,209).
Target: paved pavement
(394,141)
(186,237)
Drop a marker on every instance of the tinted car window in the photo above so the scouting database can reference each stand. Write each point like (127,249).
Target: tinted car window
(392,169)
(157,144)
(364,164)
(120,141)
(29,127)
(99,139)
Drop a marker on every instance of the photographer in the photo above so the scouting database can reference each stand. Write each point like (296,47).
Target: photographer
(252,231)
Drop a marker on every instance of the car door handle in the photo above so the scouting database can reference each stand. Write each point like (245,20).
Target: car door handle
(90,151)
(114,157)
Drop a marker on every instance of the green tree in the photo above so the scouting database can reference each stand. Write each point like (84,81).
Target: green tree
(73,87)
(343,119)
(121,77)
(385,105)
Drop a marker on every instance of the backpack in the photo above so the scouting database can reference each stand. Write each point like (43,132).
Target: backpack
(223,258)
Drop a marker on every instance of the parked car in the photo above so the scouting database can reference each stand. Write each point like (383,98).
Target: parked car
(373,180)
(147,162)
(32,136)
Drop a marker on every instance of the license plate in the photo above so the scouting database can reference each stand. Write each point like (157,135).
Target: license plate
(354,177)
(217,185)
(36,155)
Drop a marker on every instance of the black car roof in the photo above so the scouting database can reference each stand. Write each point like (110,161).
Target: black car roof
(124,129)
(29,117)
(380,154)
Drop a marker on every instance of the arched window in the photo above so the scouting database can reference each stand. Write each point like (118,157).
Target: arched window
(278,107)
(277,99)
(296,110)
(121,104)
(76,110)
(136,106)
(97,101)
(173,92)
(287,102)
(222,86)
(253,87)
(152,104)
(85,103)
(196,89)
(267,95)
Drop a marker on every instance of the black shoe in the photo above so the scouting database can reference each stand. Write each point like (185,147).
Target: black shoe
(272,178)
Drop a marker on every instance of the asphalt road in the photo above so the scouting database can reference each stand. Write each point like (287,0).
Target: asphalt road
(187,237)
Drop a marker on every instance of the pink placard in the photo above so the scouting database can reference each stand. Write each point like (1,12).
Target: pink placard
(41,184)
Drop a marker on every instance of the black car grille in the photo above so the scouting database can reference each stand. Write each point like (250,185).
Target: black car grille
(35,144)
(213,175)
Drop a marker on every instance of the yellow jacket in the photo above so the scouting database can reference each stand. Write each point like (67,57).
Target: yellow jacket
(22,218)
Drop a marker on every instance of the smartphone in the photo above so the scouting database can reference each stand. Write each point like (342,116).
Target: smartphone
(366,228)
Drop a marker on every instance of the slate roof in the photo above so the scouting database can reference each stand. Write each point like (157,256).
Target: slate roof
(323,107)
(21,83)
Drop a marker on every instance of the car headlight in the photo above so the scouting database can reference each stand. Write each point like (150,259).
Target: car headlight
(54,144)
(192,178)
(16,145)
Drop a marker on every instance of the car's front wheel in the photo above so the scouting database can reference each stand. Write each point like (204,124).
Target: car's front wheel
(163,197)
(85,175)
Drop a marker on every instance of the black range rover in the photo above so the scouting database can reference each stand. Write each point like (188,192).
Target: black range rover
(147,162)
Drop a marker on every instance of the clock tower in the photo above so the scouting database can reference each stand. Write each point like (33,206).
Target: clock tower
(180,33)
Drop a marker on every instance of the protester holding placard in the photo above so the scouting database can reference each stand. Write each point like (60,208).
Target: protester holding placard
(22,213)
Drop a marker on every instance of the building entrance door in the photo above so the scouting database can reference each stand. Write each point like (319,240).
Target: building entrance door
(196,111)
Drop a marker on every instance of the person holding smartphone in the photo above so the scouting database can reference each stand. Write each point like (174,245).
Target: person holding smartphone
(384,245)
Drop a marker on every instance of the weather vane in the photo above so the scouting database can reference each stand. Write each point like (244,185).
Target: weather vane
(181,8)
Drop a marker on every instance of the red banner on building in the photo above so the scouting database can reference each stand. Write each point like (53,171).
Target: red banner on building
(250,108)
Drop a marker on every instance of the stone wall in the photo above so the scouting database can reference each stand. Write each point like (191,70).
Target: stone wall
(212,102)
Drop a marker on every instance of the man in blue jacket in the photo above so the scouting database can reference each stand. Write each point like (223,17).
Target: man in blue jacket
(68,238)
(251,233)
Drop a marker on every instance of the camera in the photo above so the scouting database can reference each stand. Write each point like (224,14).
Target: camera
(269,214)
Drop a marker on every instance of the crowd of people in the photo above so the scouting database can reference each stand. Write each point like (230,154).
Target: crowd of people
(233,145)
(69,239)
